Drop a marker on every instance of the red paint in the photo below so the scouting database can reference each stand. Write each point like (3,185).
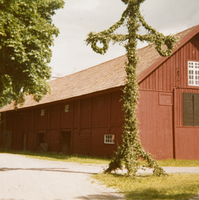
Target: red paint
(91,116)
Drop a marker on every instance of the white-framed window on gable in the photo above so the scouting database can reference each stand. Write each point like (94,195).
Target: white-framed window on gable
(193,73)
(109,139)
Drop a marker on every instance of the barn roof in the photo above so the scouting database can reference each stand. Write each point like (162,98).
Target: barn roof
(108,75)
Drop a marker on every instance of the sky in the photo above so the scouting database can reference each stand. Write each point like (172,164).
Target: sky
(70,53)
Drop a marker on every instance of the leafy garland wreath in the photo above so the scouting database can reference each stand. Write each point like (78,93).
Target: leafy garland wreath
(103,49)
(153,36)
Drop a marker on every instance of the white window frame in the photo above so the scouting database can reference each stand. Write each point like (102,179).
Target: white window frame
(193,73)
(109,139)
(42,112)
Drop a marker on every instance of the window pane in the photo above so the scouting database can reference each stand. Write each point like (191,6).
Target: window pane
(193,73)
(196,65)
(109,139)
(188,109)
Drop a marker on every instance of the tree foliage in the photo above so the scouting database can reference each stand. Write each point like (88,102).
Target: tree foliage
(26,34)
(131,149)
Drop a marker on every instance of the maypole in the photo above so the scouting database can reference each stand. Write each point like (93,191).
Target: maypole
(131,149)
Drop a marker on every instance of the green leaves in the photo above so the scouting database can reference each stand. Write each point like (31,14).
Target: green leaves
(26,35)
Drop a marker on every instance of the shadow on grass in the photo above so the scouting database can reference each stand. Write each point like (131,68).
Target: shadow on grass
(153,189)
(153,194)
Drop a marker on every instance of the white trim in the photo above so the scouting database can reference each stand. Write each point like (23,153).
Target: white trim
(193,73)
(109,139)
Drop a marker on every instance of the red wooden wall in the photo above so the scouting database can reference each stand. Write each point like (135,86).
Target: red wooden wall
(156,123)
(186,137)
(89,118)
(173,72)
(165,122)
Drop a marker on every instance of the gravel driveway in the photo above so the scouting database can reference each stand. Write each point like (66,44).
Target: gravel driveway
(23,178)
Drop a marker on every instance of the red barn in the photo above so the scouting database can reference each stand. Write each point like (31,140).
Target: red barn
(82,115)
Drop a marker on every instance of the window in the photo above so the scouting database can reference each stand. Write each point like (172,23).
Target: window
(109,139)
(193,73)
(66,108)
(190,109)
(42,112)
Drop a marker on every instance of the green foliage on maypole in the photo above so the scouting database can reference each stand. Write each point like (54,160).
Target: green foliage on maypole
(131,149)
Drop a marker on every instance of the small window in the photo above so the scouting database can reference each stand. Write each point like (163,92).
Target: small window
(109,139)
(42,112)
(193,73)
(66,108)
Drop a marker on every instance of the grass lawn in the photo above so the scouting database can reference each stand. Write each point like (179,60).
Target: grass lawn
(97,160)
(62,157)
(178,163)
(175,186)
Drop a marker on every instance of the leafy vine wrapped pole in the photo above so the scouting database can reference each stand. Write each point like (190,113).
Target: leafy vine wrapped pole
(131,149)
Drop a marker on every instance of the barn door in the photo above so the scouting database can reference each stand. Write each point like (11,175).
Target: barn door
(40,138)
(24,141)
(66,142)
(190,109)
(8,139)
(186,124)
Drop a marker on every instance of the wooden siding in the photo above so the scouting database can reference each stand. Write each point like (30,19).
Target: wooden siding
(186,137)
(156,123)
(87,119)
(173,72)
(187,140)
(172,77)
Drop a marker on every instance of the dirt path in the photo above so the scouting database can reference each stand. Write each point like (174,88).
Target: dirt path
(23,178)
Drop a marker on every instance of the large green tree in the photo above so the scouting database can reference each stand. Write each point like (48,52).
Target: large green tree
(131,149)
(26,35)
